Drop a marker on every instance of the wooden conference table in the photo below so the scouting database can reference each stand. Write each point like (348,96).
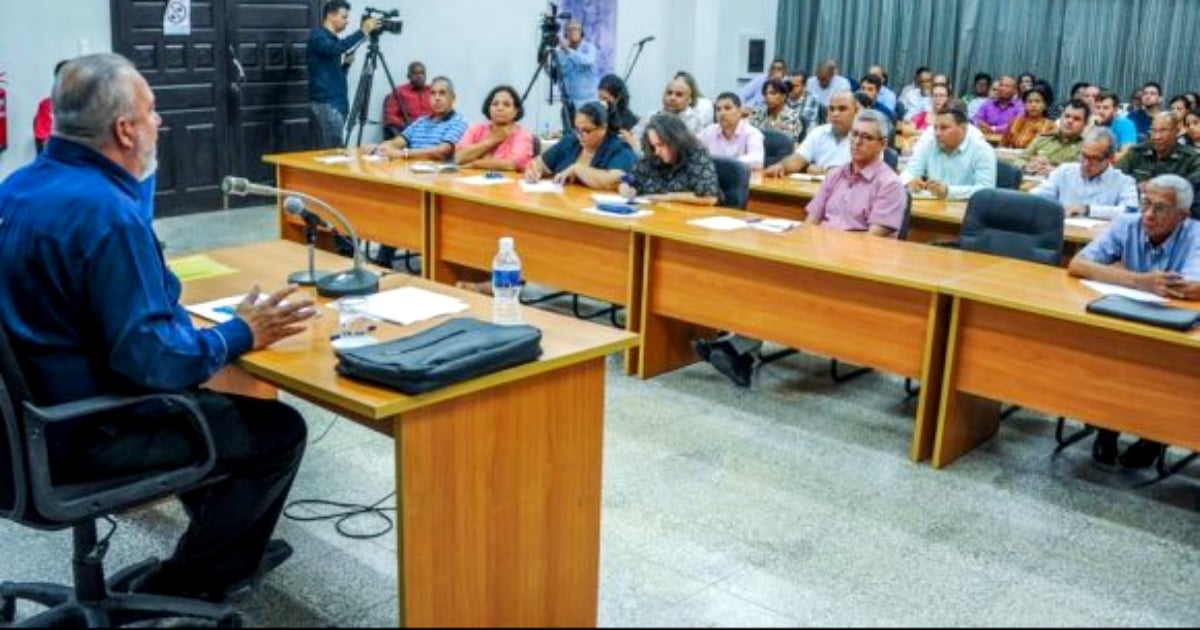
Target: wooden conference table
(498,479)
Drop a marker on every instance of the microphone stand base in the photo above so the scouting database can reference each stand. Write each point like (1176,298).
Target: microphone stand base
(347,283)
(307,278)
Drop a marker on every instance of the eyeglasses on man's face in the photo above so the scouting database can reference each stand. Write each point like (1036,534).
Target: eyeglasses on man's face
(1157,209)
(859,136)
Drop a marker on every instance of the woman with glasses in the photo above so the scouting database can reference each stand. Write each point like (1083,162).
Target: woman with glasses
(499,144)
(594,156)
(674,166)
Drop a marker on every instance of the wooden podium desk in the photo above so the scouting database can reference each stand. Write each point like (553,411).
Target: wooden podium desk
(497,479)
(1019,333)
(869,301)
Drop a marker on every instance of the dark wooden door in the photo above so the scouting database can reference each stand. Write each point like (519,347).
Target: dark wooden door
(232,91)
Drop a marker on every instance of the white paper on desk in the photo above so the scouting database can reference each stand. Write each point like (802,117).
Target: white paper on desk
(613,198)
(1086,224)
(224,309)
(721,224)
(923,194)
(408,305)
(334,159)
(545,186)
(805,177)
(484,180)
(1112,289)
(775,226)
(636,215)
(374,157)
(432,167)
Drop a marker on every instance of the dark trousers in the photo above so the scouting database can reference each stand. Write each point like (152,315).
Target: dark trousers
(328,125)
(259,444)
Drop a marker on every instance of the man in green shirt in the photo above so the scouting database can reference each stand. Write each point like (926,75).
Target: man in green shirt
(1161,155)
(1052,149)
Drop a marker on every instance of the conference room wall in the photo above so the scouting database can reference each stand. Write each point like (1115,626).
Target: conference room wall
(33,37)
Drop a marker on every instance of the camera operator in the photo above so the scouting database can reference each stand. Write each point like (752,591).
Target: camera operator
(577,62)
(329,60)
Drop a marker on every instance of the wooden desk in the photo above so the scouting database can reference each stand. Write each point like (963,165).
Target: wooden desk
(1020,334)
(497,479)
(869,301)
(931,219)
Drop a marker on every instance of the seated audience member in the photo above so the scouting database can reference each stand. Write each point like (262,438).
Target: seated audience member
(1191,129)
(864,195)
(613,93)
(1025,83)
(909,132)
(826,146)
(431,137)
(676,100)
(1106,115)
(979,94)
(1157,251)
(886,95)
(995,117)
(1032,123)
(1161,155)
(956,165)
(1079,92)
(811,111)
(674,166)
(594,156)
(751,94)
(827,82)
(1150,103)
(774,114)
(499,144)
(870,86)
(705,110)
(915,96)
(43,121)
(1091,187)
(1180,106)
(101,315)
(1051,149)
(414,97)
(732,136)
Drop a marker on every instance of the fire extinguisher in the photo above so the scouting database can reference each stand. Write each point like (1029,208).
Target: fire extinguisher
(3,115)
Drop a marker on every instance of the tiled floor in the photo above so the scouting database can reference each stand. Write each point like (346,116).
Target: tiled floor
(792,504)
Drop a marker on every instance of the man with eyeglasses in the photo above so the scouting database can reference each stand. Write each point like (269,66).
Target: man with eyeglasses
(957,165)
(825,147)
(862,196)
(1162,155)
(1157,251)
(1090,187)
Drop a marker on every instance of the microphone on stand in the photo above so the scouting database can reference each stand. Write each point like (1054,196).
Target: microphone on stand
(645,40)
(294,206)
(356,281)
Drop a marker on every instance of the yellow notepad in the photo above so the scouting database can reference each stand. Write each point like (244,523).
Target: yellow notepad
(198,267)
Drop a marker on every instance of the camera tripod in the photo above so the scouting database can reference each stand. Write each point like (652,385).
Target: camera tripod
(557,81)
(362,94)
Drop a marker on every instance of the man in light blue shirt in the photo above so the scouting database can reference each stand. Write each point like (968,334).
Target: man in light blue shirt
(887,97)
(1157,251)
(751,93)
(827,82)
(956,166)
(1091,187)
(577,61)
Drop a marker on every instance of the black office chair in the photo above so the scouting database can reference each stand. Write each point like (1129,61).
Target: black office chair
(777,146)
(891,157)
(1008,176)
(734,178)
(1013,224)
(537,145)
(30,496)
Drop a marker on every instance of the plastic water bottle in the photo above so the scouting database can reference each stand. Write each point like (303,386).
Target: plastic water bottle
(506,285)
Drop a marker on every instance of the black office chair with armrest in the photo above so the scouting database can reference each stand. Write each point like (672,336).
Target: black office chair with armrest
(777,146)
(1008,176)
(30,496)
(1013,224)
(891,157)
(734,178)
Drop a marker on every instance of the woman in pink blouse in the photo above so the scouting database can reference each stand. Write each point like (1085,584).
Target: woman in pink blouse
(499,144)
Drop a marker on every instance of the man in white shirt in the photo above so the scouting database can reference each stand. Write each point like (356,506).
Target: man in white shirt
(1092,187)
(955,167)
(827,146)
(677,99)
(827,82)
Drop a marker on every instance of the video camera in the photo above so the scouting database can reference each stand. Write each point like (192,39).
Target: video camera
(550,28)
(389,21)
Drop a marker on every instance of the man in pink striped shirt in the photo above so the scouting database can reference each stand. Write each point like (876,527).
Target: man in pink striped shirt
(865,195)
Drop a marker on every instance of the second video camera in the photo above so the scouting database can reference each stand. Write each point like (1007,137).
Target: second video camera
(389,21)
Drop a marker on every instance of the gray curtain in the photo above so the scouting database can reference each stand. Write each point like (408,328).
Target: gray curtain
(1119,44)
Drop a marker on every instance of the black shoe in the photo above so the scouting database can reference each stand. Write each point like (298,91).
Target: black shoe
(1142,454)
(1104,449)
(736,367)
(703,348)
(163,582)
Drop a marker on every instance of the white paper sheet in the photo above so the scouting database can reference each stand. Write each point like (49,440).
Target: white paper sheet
(543,187)
(432,167)
(409,305)
(721,224)
(923,194)
(334,159)
(614,198)
(1112,289)
(224,309)
(484,180)
(775,226)
(636,215)
(805,177)
(1087,224)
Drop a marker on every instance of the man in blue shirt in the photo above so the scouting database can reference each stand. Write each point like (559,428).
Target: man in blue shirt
(329,60)
(577,61)
(1157,251)
(91,308)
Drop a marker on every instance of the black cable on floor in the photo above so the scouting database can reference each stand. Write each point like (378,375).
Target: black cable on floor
(346,512)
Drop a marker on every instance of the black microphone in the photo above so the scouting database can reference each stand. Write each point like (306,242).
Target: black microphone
(645,40)
(295,206)
(310,276)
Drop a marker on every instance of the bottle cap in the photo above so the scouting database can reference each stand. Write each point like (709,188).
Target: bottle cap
(506,243)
